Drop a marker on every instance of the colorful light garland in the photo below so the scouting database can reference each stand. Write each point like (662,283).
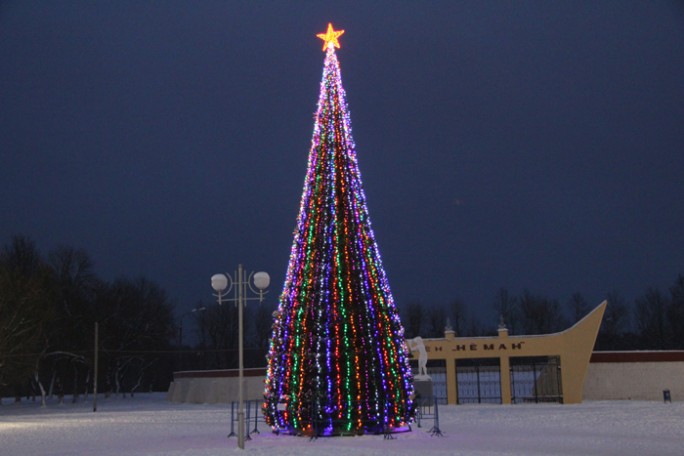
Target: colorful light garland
(337,362)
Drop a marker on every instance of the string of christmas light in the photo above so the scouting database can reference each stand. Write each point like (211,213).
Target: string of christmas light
(337,362)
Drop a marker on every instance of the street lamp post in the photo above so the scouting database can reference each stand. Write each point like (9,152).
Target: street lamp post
(240,283)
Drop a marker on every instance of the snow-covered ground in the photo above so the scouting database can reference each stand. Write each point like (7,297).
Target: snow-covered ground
(149,425)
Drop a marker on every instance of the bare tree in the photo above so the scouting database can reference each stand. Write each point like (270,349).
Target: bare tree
(135,317)
(263,322)
(413,323)
(540,315)
(675,313)
(615,323)
(458,317)
(222,335)
(25,311)
(436,321)
(507,307)
(75,286)
(578,307)
(650,319)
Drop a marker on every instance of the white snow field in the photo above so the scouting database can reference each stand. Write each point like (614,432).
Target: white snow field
(149,425)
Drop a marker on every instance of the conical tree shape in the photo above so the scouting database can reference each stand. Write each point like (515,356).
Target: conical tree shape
(338,362)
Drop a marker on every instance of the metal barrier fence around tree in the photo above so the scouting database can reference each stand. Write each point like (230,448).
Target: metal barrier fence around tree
(426,411)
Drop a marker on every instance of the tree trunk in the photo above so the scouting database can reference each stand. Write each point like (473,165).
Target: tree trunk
(43,396)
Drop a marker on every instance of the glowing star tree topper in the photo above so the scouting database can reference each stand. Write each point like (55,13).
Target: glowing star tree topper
(330,37)
(338,360)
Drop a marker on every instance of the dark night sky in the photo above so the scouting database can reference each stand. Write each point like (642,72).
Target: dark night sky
(502,144)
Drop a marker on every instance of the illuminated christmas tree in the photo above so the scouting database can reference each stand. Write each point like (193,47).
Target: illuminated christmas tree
(338,362)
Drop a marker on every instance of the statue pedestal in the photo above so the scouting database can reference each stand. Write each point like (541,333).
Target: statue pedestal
(422,385)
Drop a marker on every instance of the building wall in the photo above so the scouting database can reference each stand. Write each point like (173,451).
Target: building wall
(573,346)
(210,387)
(610,376)
(635,376)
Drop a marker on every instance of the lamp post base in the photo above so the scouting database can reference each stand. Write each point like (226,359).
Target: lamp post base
(241,427)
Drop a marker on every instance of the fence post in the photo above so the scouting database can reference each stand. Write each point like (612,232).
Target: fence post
(232,419)
(249,408)
(256,418)
(435,428)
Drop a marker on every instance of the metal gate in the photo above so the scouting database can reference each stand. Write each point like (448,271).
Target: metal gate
(438,375)
(436,369)
(536,379)
(478,381)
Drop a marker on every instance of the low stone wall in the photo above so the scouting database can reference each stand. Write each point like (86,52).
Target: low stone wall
(637,375)
(217,386)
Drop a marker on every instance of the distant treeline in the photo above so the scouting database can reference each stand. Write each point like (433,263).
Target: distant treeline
(48,309)
(49,306)
(654,321)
